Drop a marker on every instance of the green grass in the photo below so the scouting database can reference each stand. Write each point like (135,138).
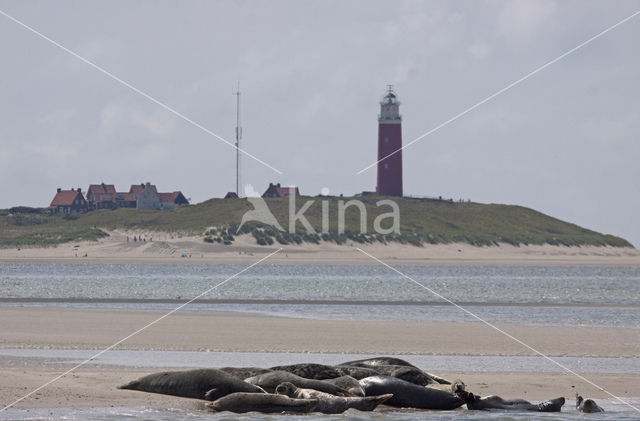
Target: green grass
(421,221)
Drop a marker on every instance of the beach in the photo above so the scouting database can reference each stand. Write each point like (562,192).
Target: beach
(119,247)
(29,328)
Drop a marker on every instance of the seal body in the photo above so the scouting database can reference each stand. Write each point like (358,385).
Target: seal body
(244,372)
(269,382)
(356,372)
(496,402)
(330,404)
(310,371)
(242,402)
(209,384)
(347,383)
(588,406)
(409,395)
(395,367)
(377,361)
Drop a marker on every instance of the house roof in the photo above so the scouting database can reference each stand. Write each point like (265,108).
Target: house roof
(97,189)
(231,195)
(282,191)
(65,198)
(137,189)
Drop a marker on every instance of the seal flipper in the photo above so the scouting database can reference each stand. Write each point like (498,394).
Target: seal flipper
(213,394)
(132,385)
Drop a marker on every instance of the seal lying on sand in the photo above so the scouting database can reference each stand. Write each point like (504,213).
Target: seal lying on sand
(356,372)
(395,367)
(269,382)
(376,361)
(409,395)
(310,371)
(244,372)
(496,402)
(265,402)
(347,383)
(209,384)
(587,405)
(330,404)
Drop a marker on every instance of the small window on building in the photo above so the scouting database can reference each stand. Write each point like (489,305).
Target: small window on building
(386,165)
(386,140)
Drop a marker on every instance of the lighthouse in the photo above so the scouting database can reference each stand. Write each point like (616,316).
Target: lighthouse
(389,146)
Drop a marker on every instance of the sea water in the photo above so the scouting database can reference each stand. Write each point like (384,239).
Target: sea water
(568,296)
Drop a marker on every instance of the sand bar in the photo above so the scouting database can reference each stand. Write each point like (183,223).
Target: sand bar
(73,328)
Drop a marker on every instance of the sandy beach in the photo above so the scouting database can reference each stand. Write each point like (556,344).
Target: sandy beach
(170,248)
(95,329)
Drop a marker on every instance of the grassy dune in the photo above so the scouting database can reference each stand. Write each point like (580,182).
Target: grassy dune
(421,221)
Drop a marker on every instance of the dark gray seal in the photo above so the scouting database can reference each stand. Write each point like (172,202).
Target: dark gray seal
(376,361)
(209,384)
(269,382)
(347,383)
(409,395)
(588,406)
(310,371)
(356,372)
(496,402)
(244,372)
(395,367)
(330,404)
(265,402)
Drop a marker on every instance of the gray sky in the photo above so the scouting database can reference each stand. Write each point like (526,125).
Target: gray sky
(564,142)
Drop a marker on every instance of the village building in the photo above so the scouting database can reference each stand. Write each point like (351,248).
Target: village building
(68,201)
(101,196)
(139,196)
(231,195)
(275,190)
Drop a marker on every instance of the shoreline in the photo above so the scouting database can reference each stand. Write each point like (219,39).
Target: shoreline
(165,248)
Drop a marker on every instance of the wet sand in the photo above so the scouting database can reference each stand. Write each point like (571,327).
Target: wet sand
(74,328)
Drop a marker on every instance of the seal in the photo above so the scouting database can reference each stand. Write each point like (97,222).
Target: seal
(310,371)
(347,383)
(588,406)
(376,361)
(496,402)
(244,372)
(330,404)
(409,395)
(396,367)
(242,402)
(209,384)
(356,372)
(269,382)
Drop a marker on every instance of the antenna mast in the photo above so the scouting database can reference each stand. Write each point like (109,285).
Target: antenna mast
(238,138)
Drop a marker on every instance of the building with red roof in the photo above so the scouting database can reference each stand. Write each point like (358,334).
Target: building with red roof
(68,201)
(275,190)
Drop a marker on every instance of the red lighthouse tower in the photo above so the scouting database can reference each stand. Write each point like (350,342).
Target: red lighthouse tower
(389,141)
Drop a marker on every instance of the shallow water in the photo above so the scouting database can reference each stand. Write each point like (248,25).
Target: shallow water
(614,411)
(585,296)
(432,363)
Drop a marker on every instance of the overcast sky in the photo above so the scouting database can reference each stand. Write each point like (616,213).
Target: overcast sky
(565,142)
